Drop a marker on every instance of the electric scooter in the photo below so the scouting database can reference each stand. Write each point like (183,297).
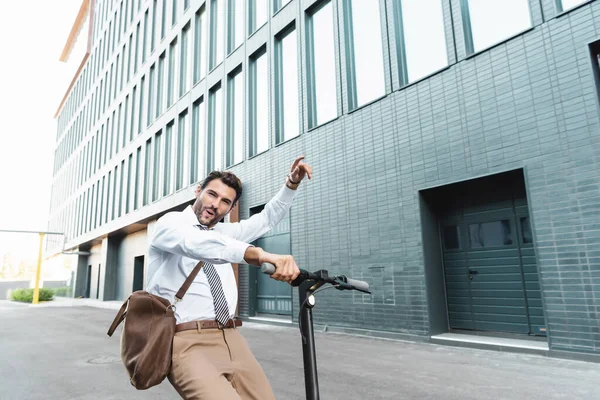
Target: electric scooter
(309,283)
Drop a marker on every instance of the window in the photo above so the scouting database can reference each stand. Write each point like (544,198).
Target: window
(259,103)
(196,133)
(321,66)
(163,22)
(174,9)
(488,22)
(181,149)
(235,35)
(129,187)
(145,38)
(171,73)
(153,27)
(365,52)
(257,14)
(138,52)
(167,159)
(136,188)
(490,234)
(200,43)
(217,16)
(287,90)
(278,4)
(147,172)
(420,25)
(141,105)
(235,117)
(159,89)
(184,70)
(563,5)
(157,165)
(151,82)
(214,144)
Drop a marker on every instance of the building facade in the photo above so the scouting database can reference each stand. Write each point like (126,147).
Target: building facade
(455,146)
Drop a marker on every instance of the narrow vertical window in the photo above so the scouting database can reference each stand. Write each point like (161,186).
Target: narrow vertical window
(258,13)
(151,100)
(217,17)
(153,27)
(420,25)
(321,66)
(181,149)
(235,118)
(197,132)
(287,86)
(172,73)
(138,52)
(129,186)
(141,105)
(488,22)
(147,172)
(174,12)
(168,159)
(365,52)
(137,173)
(214,142)
(158,154)
(259,103)
(145,38)
(183,63)
(200,46)
(163,22)
(160,77)
(235,33)
(122,190)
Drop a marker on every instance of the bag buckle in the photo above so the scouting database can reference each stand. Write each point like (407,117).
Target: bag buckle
(172,306)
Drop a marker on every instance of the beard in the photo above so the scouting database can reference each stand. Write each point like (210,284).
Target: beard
(206,219)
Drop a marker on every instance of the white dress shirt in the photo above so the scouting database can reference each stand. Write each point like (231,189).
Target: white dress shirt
(177,244)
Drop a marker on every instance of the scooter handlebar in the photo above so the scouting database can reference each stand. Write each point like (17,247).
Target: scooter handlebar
(269,269)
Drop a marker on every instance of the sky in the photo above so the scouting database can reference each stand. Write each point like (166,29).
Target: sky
(32,84)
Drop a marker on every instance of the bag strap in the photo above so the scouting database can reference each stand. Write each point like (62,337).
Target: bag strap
(188,282)
(118,319)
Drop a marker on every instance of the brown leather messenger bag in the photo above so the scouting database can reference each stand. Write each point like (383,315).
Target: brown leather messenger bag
(147,337)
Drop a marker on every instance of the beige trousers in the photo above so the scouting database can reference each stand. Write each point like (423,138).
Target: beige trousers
(213,364)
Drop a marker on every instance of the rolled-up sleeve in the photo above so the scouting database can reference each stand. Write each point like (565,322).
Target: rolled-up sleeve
(173,236)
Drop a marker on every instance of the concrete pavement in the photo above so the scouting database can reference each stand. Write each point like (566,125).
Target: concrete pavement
(64,353)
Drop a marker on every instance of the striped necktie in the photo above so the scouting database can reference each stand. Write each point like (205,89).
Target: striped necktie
(216,289)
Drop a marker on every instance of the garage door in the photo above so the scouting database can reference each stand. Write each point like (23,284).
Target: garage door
(489,261)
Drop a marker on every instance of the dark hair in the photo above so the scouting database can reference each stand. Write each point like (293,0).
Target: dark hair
(227,178)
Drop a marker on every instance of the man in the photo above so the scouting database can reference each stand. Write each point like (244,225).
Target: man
(211,360)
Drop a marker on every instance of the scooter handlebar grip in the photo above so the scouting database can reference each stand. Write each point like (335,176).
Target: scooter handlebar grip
(267,268)
(360,285)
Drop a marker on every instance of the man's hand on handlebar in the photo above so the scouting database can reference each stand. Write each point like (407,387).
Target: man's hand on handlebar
(286,269)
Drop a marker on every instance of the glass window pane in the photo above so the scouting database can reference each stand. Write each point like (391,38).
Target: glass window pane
(495,20)
(196,134)
(172,73)
(236,24)
(235,113)
(323,91)
(451,237)
(168,159)
(567,4)
(217,17)
(216,132)
(490,234)
(200,43)
(184,69)
(423,28)
(258,14)
(261,105)
(288,88)
(181,150)
(369,79)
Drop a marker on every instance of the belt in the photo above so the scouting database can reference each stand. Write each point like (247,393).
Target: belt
(207,324)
